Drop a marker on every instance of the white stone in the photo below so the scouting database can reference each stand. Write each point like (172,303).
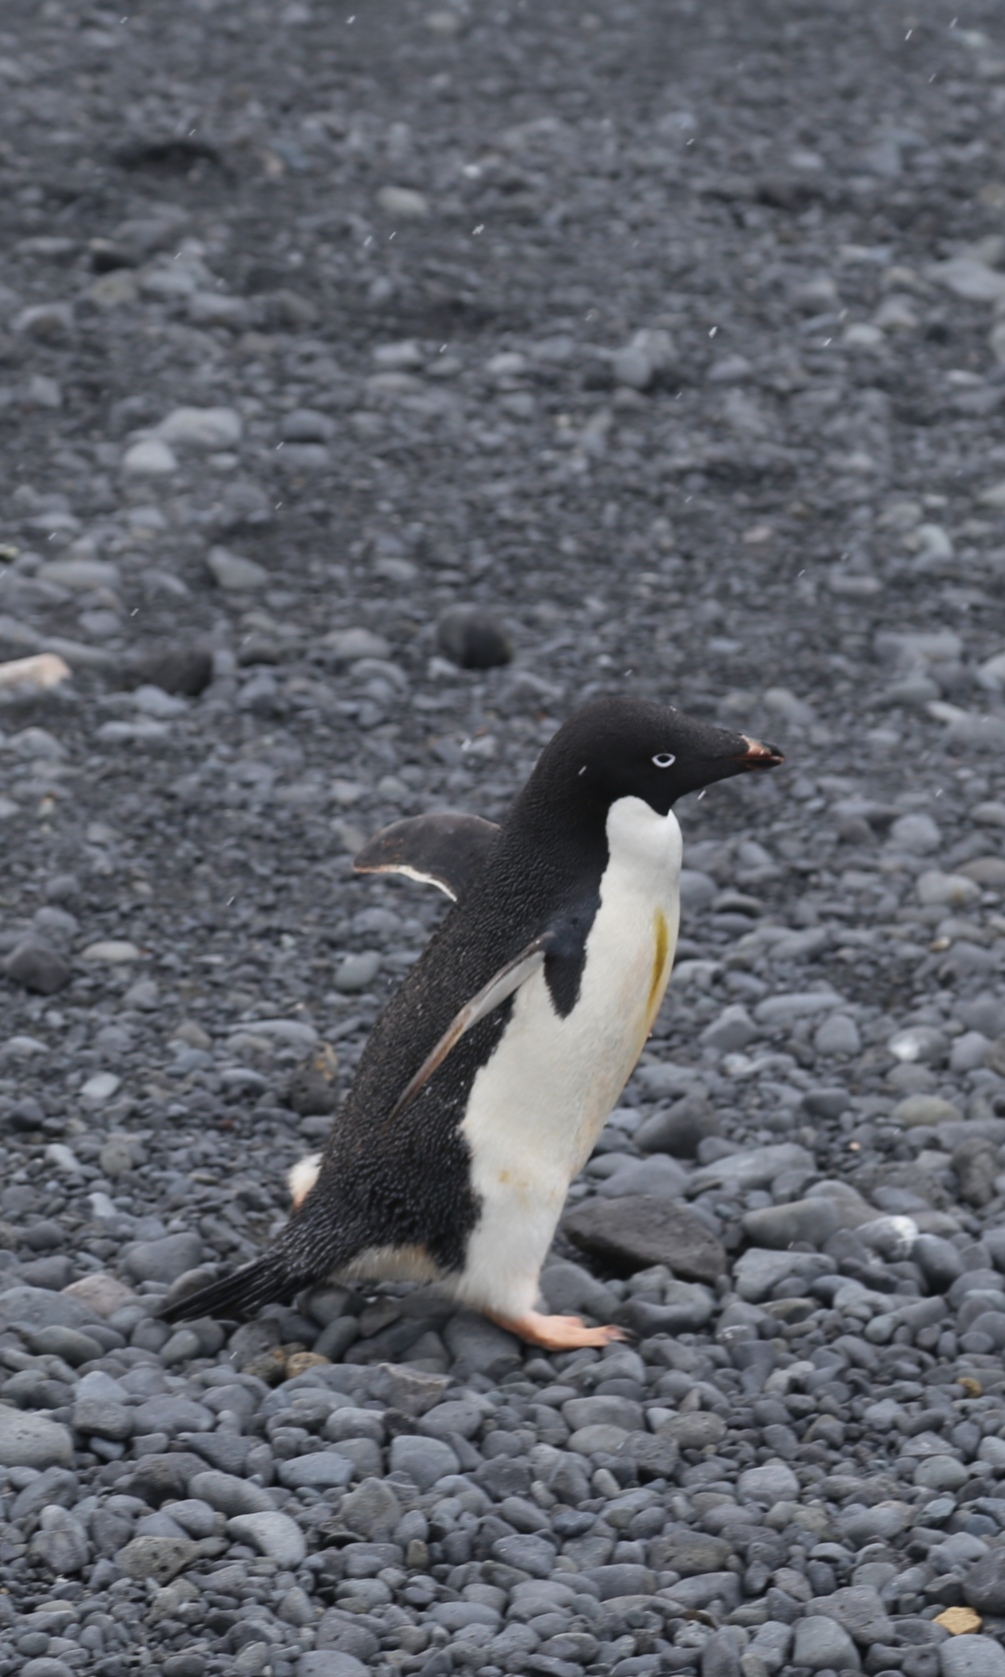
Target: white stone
(100,1088)
(274,1535)
(20,1046)
(234,573)
(972,280)
(209,429)
(113,951)
(35,674)
(80,575)
(953,889)
(62,1158)
(863,336)
(149,458)
(153,701)
(403,202)
(918,834)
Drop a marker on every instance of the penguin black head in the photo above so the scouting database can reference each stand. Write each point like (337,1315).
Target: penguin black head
(633,748)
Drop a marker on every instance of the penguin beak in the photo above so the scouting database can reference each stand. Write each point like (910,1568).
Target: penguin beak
(758,756)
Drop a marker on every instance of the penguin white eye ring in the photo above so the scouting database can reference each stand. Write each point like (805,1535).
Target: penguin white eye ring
(664,759)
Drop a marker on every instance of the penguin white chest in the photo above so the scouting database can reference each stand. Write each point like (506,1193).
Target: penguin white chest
(540,1101)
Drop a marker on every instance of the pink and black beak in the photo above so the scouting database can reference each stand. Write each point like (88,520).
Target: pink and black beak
(758,755)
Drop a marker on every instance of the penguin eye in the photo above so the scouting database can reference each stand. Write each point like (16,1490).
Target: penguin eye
(663,759)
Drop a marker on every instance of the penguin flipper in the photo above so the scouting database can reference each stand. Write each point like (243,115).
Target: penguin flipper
(501,985)
(444,849)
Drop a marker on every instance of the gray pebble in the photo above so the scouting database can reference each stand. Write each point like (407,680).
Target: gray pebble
(164,1259)
(755,1168)
(28,1440)
(774,1482)
(229,1494)
(972,1656)
(680,1129)
(329,1662)
(274,1535)
(372,1509)
(732,1031)
(659,1177)
(822,1644)
(160,1558)
(984,1584)
(38,967)
(357,972)
(235,574)
(424,1460)
(780,1226)
(322,1470)
(527,1552)
(61,1543)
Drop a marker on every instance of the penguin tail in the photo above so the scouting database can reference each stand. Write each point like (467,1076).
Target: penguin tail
(269,1280)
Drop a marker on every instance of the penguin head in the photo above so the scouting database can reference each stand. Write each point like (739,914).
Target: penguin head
(632,748)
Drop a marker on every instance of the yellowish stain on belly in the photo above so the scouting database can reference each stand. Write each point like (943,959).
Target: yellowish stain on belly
(659,975)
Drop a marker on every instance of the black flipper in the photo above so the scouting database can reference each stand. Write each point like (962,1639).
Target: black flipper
(445,850)
(501,985)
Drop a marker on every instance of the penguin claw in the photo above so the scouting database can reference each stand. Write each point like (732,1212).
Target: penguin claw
(556,1333)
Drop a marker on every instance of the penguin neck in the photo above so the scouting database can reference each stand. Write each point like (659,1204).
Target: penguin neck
(638,833)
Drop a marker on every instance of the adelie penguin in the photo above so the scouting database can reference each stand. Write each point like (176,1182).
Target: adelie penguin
(485,1083)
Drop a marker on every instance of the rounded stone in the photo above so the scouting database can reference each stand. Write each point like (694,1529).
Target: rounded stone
(159,1558)
(822,1644)
(926,1109)
(972,1656)
(984,1584)
(235,574)
(165,1259)
(30,1440)
(202,428)
(357,972)
(838,1035)
(274,1535)
(946,890)
(322,1470)
(38,967)
(423,1459)
(473,638)
(918,834)
(331,1662)
(774,1482)
(403,203)
(230,1495)
(149,458)
(941,1473)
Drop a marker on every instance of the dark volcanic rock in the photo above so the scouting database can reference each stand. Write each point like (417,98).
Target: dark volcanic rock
(38,967)
(185,670)
(680,1129)
(984,1584)
(312,1090)
(473,638)
(632,1233)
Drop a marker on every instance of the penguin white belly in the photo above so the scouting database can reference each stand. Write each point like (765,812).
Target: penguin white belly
(540,1101)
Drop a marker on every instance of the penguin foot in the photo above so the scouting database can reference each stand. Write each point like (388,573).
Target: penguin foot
(556,1333)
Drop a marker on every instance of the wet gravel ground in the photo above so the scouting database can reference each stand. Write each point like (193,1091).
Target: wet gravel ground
(673,336)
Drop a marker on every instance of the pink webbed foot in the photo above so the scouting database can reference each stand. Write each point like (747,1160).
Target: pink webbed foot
(556,1333)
